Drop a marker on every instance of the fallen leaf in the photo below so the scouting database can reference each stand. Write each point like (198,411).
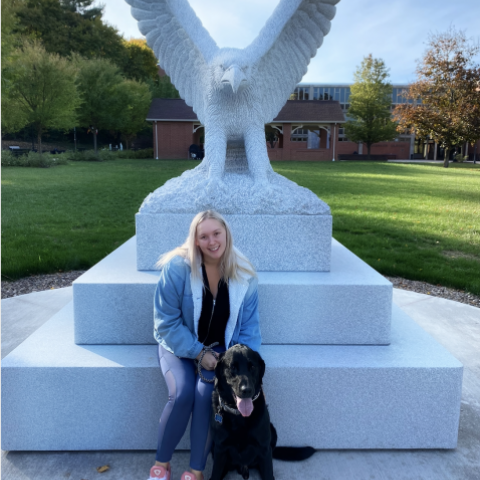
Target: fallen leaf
(103,469)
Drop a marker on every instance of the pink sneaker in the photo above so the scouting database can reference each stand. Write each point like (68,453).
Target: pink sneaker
(158,472)
(189,476)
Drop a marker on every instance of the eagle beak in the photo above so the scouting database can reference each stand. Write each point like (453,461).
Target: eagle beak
(234,76)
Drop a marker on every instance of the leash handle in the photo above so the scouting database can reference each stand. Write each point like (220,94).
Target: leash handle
(206,349)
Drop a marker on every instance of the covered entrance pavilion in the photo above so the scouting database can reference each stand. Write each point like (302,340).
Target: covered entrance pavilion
(301,131)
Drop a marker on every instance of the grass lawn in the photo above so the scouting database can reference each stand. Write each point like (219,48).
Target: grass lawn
(420,222)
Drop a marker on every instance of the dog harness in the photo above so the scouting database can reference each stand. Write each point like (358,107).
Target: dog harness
(223,406)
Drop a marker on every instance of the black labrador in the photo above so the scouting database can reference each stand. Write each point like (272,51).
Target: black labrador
(243,436)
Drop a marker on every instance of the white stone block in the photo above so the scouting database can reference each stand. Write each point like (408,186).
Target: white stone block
(60,396)
(277,243)
(351,304)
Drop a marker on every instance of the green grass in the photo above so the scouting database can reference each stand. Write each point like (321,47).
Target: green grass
(414,221)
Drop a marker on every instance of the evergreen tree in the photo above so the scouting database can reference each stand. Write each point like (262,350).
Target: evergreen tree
(370,99)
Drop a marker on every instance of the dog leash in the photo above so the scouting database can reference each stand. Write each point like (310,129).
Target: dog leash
(206,349)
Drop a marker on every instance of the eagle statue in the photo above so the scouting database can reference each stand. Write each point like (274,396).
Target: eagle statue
(235,92)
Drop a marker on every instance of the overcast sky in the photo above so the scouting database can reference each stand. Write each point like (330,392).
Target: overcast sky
(394,30)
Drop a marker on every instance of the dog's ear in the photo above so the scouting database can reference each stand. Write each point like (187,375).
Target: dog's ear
(219,365)
(261,366)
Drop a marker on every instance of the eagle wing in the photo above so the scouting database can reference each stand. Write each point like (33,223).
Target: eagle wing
(181,44)
(284,47)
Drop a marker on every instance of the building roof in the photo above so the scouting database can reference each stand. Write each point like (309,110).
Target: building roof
(171,109)
(321,111)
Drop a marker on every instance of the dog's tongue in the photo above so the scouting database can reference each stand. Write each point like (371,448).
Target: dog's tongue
(245,406)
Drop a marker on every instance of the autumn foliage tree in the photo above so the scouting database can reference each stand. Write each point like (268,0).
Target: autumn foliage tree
(445,99)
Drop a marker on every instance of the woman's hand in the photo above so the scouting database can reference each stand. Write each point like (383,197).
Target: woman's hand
(209,360)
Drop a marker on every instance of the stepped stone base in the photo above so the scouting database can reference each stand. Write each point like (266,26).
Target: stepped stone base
(60,396)
(277,243)
(351,304)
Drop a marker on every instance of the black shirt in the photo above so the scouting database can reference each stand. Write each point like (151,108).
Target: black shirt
(215,313)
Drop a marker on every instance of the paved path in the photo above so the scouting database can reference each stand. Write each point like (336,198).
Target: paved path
(456,326)
(427,161)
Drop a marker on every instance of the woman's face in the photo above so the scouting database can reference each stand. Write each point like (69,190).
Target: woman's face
(211,238)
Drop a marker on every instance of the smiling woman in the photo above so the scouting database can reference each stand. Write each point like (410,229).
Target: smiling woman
(206,301)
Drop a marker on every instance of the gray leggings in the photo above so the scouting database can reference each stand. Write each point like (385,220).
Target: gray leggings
(187,395)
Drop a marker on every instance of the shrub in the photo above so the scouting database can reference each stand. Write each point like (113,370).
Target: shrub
(32,159)
(460,158)
(144,153)
(75,156)
(136,154)
(106,155)
(84,156)
(9,159)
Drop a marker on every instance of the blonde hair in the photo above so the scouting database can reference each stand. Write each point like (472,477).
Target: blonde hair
(232,263)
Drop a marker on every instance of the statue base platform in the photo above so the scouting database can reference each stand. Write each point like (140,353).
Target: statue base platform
(351,304)
(60,396)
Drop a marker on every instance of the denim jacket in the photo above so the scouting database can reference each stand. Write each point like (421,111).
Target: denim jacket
(178,305)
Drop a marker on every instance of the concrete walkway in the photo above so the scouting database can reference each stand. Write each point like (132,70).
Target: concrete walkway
(426,161)
(454,325)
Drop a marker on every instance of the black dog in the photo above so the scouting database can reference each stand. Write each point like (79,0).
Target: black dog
(243,436)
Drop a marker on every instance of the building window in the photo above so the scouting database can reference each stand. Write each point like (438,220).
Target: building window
(341,135)
(300,93)
(299,135)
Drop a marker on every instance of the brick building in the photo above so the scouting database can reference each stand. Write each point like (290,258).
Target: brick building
(302,131)
(310,131)
(418,147)
(309,127)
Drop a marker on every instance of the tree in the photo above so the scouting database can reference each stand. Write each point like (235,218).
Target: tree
(135,98)
(370,99)
(444,102)
(138,61)
(101,105)
(162,87)
(12,118)
(10,39)
(75,26)
(43,90)
(70,26)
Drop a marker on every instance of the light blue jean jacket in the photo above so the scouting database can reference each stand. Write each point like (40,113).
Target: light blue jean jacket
(178,305)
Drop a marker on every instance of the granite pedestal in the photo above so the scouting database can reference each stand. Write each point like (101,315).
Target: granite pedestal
(60,396)
(276,243)
(351,304)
